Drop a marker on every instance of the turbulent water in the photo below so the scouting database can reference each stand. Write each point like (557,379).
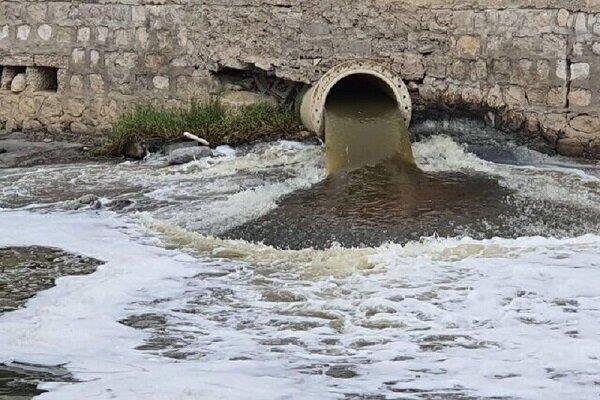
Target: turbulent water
(375,193)
(178,312)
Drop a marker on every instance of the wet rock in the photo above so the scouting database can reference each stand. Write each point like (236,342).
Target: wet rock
(83,201)
(283,296)
(571,147)
(20,152)
(119,204)
(145,321)
(19,381)
(2,151)
(171,147)
(18,83)
(595,148)
(341,372)
(135,150)
(188,154)
(24,271)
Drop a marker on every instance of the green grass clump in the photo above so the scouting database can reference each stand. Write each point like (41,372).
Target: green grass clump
(210,121)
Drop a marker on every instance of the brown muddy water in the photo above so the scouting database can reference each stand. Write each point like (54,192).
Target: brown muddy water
(375,193)
(363,127)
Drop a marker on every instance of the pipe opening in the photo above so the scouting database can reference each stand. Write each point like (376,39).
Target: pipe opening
(363,124)
(361,86)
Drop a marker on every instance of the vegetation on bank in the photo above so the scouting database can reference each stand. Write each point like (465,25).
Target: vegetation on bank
(148,125)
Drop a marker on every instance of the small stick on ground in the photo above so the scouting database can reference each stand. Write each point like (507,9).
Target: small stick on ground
(196,138)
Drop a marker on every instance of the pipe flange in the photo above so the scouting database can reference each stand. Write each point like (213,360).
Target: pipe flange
(312,108)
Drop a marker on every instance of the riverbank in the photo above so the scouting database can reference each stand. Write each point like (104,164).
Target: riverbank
(20,150)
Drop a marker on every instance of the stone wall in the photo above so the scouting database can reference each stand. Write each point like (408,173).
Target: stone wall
(529,65)
(110,55)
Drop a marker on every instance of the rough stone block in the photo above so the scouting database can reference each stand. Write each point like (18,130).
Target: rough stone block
(580,71)
(36,12)
(580,98)
(581,24)
(32,125)
(84,34)
(101,34)
(76,83)
(238,99)
(586,124)
(160,82)
(4,32)
(78,56)
(23,32)
(468,46)
(94,58)
(27,106)
(316,29)
(96,83)
(44,32)
(563,17)
(514,96)
(557,97)
(79,128)
(74,107)
(571,147)
(19,83)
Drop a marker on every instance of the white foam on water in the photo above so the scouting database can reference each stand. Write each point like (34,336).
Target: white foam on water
(439,317)
(76,321)
(517,318)
(211,194)
(562,184)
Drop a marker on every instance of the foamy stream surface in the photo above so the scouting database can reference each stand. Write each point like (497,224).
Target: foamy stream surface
(206,318)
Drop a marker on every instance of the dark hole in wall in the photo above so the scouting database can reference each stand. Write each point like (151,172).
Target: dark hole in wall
(257,80)
(39,78)
(8,73)
(46,78)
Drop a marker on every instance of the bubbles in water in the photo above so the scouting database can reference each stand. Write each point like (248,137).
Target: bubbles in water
(434,317)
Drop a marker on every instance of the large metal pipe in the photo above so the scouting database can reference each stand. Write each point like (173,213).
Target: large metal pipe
(313,98)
